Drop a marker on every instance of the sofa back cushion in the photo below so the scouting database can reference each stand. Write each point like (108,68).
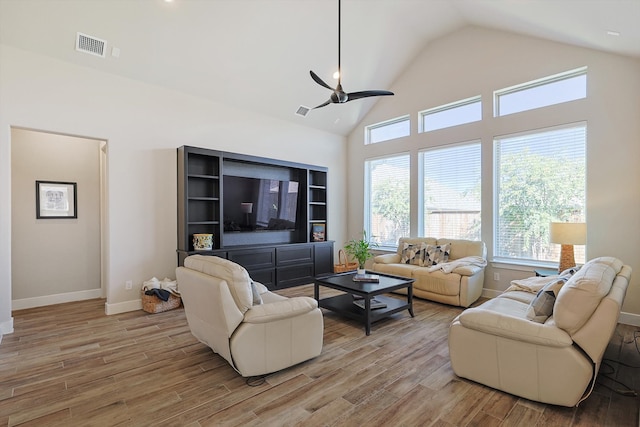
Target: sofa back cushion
(580,296)
(459,248)
(235,275)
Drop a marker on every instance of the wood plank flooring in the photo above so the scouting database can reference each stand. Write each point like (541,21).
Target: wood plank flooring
(71,365)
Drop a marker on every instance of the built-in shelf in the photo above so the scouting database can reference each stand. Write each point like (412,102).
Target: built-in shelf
(201,198)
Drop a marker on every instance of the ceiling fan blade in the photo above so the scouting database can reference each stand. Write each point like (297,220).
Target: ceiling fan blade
(367,93)
(323,104)
(318,80)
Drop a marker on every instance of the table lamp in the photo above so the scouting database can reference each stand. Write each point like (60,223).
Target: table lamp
(567,234)
(246,208)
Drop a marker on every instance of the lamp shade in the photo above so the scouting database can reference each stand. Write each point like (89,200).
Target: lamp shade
(246,208)
(568,233)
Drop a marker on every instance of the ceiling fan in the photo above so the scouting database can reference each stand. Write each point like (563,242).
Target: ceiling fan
(339,96)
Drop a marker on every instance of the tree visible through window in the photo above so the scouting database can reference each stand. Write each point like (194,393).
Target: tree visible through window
(540,178)
(388,205)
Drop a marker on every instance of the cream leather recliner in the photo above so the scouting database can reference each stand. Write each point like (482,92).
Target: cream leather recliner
(256,331)
(554,359)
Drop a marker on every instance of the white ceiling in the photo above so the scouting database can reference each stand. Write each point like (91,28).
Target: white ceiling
(256,54)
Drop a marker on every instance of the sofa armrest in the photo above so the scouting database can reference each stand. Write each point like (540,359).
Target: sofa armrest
(387,259)
(515,328)
(468,270)
(291,307)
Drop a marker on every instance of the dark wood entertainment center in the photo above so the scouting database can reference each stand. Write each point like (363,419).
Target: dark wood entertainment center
(279,253)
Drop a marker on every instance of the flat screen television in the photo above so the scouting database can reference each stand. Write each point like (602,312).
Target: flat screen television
(254,204)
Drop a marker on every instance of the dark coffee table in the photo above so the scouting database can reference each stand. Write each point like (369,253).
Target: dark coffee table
(343,303)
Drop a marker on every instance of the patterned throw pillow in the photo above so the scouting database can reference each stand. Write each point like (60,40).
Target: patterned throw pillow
(542,305)
(257,299)
(437,254)
(413,254)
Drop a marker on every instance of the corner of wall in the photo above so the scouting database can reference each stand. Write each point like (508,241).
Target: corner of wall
(122,307)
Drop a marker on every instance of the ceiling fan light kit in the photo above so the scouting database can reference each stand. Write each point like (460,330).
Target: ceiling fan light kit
(339,96)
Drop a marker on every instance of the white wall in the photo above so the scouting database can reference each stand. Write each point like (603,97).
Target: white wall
(143,126)
(476,61)
(67,250)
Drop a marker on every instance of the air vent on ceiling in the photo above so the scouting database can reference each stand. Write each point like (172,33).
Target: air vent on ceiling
(91,45)
(303,111)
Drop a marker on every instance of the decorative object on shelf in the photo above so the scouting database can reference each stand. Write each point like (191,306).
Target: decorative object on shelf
(56,199)
(247,210)
(567,234)
(202,242)
(375,304)
(343,264)
(360,250)
(317,233)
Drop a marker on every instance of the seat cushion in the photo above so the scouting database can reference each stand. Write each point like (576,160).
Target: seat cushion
(235,275)
(437,282)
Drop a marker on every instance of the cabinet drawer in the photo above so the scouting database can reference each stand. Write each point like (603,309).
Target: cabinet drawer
(254,259)
(294,255)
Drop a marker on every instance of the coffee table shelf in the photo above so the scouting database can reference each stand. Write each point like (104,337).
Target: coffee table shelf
(343,303)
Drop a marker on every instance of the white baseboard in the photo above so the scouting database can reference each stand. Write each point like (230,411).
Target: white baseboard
(123,307)
(629,319)
(21,304)
(6,327)
(624,318)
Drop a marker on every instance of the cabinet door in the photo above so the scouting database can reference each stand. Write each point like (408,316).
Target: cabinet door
(266,277)
(253,259)
(295,275)
(323,258)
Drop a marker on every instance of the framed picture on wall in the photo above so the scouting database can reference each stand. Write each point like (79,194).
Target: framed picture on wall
(55,199)
(317,233)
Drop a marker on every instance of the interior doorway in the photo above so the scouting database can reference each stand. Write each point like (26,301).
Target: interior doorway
(56,256)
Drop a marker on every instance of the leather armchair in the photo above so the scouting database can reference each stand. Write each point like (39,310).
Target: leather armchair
(255,330)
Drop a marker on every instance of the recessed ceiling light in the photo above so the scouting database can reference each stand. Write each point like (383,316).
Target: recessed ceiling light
(613,33)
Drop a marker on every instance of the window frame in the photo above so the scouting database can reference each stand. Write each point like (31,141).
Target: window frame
(369,128)
(446,107)
(500,259)
(421,177)
(368,191)
(521,87)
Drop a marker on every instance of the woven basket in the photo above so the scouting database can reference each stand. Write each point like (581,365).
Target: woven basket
(344,266)
(153,304)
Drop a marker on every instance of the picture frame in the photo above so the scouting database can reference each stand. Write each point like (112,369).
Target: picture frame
(56,199)
(318,232)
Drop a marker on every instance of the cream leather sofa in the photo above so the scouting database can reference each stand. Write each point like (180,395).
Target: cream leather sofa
(553,362)
(256,331)
(461,286)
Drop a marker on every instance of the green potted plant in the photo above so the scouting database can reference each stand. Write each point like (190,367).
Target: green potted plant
(360,250)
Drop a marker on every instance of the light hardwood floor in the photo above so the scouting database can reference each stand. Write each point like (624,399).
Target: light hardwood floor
(71,365)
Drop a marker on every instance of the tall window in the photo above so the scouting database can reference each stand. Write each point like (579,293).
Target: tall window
(450,181)
(387,207)
(540,178)
(390,129)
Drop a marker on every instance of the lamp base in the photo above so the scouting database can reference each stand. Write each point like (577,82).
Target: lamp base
(567,259)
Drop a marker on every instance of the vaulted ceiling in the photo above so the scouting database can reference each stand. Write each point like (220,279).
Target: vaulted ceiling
(256,54)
